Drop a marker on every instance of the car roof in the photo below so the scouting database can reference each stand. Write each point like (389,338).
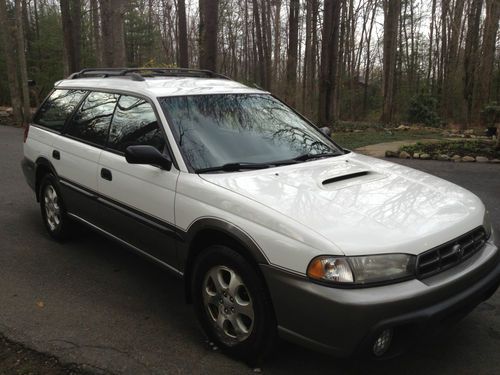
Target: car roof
(161,86)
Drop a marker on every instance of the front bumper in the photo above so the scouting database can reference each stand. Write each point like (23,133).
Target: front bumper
(346,322)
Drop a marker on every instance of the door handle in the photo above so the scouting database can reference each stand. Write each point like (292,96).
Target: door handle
(106,174)
(56,155)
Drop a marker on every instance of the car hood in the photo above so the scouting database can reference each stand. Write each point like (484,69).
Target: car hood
(361,204)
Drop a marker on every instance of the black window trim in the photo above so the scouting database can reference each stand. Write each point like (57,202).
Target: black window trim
(120,93)
(305,119)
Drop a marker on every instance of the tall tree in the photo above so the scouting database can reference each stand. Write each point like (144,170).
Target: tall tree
(209,14)
(6,29)
(329,62)
(71,26)
(392,10)
(487,55)
(96,34)
(291,62)
(21,59)
(183,37)
(112,32)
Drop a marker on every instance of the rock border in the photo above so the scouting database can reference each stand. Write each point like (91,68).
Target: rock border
(441,157)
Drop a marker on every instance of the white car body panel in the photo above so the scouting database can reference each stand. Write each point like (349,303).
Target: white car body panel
(395,210)
(78,162)
(145,188)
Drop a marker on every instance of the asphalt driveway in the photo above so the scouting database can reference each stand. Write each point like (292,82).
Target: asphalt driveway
(91,302)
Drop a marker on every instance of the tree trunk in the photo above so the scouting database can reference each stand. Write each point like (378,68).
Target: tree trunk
(6,30)
(112,33)
(21,56)
(451,63)
(291,63)
(96,35)
(392,10)
(471,55)
(209,11)
(183,38)
(260,44)
(329,63)
(487,56)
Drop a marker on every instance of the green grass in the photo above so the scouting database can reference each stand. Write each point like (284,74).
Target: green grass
(355,140)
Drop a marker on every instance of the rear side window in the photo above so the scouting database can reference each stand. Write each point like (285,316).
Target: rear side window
(135,123)
(58,106)
(91,121)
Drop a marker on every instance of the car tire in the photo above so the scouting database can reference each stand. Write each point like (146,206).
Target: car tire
(232,304)
(53,211)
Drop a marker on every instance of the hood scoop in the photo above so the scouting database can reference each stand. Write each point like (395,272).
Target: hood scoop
(351,178)
(345,177)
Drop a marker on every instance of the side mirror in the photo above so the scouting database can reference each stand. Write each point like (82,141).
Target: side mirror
(143,154)
(326,131)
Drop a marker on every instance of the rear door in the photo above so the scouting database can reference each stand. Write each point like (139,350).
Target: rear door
(138,200)
(76,153)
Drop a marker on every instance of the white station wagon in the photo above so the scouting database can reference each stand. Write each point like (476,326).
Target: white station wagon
(276,230)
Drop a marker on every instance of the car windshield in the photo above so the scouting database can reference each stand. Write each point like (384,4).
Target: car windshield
(216,130)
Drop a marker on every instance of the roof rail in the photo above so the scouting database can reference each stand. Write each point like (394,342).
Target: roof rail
(139,74)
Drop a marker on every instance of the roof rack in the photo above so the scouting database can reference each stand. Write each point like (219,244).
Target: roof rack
(140,74)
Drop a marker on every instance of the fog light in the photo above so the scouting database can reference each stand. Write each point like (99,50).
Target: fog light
(382,343)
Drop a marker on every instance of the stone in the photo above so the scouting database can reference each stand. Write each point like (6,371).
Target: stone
(403,127)
(404,155)
(416,155)
(425,156)
(391,154)
(495,161)
(482,159)
(468,159)
(469,131)
(443,157)
(456,158)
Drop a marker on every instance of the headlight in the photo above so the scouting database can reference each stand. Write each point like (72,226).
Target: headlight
(487,224)
(362,270)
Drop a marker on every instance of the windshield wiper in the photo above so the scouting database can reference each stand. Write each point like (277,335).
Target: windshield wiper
(307,157)
(234,167)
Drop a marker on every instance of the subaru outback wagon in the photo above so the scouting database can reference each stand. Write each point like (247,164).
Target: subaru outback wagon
(276,230)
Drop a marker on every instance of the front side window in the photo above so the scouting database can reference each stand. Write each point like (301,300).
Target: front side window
(214,130)
(58,106)
(134,123)
(91,121)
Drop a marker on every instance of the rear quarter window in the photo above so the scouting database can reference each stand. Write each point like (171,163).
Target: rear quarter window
(91,121)
(58,107)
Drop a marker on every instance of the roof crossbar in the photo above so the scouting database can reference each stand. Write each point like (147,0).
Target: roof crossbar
(139,74)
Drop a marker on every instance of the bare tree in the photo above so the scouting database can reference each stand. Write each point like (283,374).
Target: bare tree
(392,10)
(329,62)
(209,13)
(21,56)
(112,32)
(487,55)
(6,30)
(183,37)
(291,63)
(71,26)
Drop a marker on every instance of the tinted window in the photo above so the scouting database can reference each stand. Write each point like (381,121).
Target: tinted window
(91,121)
(213,130)
(134,123)
(58,106)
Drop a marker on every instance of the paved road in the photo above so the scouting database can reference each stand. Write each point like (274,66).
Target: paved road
(91,302)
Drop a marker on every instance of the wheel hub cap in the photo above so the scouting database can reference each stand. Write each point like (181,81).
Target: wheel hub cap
(228,305)
(52,208)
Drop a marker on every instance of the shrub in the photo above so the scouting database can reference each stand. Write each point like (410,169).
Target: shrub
(490,115)
(423,109)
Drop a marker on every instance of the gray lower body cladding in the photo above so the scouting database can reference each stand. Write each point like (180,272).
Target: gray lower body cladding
(345,322)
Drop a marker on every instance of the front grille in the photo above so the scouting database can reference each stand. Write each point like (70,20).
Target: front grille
(450,254)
